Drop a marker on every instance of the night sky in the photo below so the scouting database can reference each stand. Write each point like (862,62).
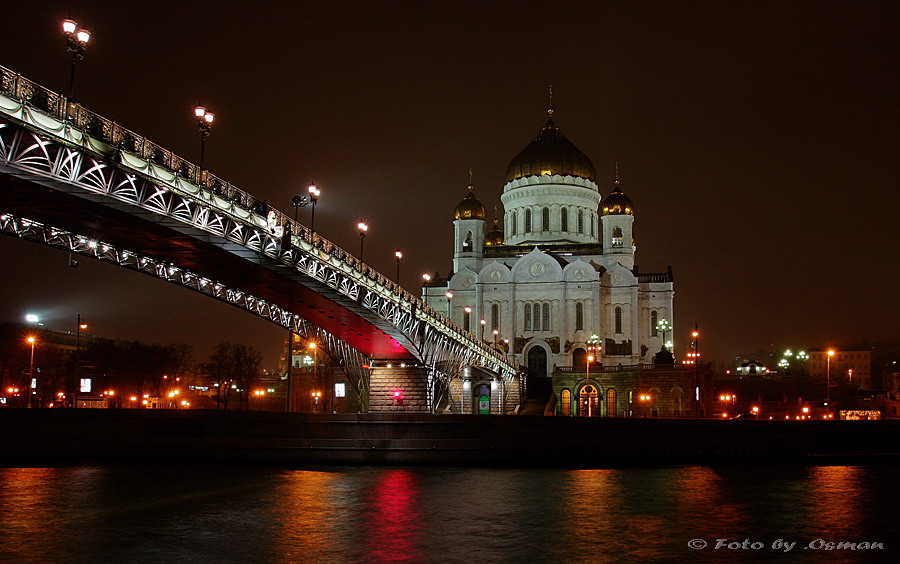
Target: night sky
(758,142)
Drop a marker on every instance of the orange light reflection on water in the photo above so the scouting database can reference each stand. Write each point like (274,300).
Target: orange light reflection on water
(29,510)
(308,518)
(835,507)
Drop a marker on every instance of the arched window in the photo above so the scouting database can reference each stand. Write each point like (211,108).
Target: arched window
(592,225)
(527,221)
(546,317)
(495,316)
(467,244)
(654,319)
(617,239)
(610,402)
(676,402)
(565,402)
(537,317)
(618,320)
(545,219)
(581,221)
(528,317)
(579,357)
(514,223)
(564,219)
(579,316)
(654,402)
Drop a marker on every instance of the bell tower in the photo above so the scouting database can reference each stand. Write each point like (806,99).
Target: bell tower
(618,220)
(468,232)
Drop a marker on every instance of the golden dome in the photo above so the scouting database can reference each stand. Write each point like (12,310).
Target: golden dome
(494,237)
(617,203)
(470,208)
(550,153)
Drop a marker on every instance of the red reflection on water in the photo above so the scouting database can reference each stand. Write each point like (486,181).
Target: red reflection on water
(394,521)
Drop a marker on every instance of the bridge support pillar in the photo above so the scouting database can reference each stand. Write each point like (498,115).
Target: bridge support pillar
(399,389)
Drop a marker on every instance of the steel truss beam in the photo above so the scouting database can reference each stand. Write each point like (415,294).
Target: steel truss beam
(46,140)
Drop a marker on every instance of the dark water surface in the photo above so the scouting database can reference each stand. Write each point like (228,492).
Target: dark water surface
(253,514)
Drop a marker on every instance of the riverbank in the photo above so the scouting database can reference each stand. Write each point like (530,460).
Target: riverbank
(59,436)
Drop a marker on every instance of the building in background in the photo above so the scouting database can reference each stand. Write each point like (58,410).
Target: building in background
(557,281)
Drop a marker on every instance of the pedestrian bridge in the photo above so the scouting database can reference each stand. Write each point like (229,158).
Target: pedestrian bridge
(79,182)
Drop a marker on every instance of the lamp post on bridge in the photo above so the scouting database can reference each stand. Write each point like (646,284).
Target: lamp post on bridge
(426,283)
(313,198)
(449,296)
(399,256)
(76,42)
(204,124)
(363,228)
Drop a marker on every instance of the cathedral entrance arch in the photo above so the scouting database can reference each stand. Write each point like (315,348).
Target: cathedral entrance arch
(588,401)
(537,361)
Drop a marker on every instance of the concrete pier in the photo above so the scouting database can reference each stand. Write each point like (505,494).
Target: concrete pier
(58,436)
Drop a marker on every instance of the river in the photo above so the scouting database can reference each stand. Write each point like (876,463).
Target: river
(362,514)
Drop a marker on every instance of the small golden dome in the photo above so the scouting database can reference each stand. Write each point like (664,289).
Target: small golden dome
(470,208)
(617,203)
(550,153)
(494,237)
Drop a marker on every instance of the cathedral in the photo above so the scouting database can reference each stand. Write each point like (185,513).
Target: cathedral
(557,282)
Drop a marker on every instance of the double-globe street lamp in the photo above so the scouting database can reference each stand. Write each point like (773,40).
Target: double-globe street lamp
(76,42)
(310,198)
(204,124)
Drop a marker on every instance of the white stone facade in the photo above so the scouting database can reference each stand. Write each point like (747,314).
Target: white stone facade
(563,273)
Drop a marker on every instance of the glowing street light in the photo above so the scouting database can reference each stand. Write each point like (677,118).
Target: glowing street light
(76,42)
(695,335)
(313,198)
(449,295)
(399,256)
(363,228)
(31,340)
(483,323)
(426,283)
(80,325)
(645,400)
(204,124)
(831,353)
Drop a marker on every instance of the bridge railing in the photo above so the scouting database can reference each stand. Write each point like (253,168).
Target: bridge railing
(52,103)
